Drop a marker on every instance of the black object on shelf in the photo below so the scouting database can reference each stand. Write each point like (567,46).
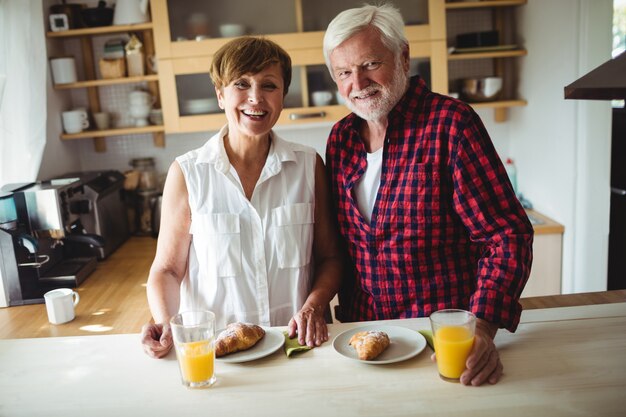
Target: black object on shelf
(98,16)
(477,39)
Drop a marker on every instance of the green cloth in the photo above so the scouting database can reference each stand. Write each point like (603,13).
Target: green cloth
(428,335)
(292,346)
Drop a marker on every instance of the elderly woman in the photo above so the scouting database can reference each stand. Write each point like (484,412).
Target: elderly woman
(247,230)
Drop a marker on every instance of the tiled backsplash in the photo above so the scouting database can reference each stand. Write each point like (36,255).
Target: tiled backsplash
(121,149)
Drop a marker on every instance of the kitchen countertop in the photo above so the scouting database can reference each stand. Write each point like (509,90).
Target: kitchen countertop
(113,299)
(543,224)
(561,362)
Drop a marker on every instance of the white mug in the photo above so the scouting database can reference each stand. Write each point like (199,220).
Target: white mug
(322,98)
(60,305)
(63,70)
(75,121)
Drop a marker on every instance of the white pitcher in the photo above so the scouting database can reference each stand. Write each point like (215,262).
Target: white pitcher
(128,12)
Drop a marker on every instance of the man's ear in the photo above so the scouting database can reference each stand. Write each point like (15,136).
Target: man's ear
(406,57)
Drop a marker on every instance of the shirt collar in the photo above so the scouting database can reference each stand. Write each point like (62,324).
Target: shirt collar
(214,152)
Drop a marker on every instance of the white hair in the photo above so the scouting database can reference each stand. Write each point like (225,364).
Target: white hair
(385,18)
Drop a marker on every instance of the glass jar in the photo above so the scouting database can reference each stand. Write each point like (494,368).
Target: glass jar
(147,173)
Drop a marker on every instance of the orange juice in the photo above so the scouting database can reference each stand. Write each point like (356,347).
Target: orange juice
(196,361)
(452,347)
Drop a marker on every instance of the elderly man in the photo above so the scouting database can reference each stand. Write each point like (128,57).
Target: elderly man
(423,201)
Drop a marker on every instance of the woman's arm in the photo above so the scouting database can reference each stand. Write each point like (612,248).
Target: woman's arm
(310,321)
(170,263)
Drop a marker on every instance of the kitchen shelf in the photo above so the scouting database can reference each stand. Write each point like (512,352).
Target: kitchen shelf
(113,132)
(110,81)
(477,4)
(485,55)
(500,108)
(499,104)
(92,83)
(498,15)
(102,30)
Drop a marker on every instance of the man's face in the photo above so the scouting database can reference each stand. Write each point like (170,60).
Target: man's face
(368,75)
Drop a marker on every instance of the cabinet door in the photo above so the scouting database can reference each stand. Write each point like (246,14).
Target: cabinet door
(545,275)
(200,27)
(190,104)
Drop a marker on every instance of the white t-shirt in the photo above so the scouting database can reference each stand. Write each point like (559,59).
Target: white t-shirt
(366,188)
(249,261)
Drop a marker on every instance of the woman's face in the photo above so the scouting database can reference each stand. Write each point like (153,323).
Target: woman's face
(253,102)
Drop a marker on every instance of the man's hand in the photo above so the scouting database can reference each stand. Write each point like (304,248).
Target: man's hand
(483,363)
(310,326)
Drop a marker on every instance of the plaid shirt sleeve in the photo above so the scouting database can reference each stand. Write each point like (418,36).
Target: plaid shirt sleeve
(484,200)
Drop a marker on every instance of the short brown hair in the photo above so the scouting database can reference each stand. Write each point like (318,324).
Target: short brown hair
(248,55)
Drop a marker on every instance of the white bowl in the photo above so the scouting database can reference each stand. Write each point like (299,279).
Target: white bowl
(481,88)
(200,105)
(231,30)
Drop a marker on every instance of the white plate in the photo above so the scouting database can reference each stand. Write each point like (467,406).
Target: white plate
(405,344)
(271,342)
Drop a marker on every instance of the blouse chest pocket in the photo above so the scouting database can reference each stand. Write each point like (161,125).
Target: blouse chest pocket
(293,232)
(221,235)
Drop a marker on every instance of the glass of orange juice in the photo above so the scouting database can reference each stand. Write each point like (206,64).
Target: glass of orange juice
(194,339)
(453,336)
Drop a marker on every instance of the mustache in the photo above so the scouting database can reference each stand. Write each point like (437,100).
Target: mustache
(372,88)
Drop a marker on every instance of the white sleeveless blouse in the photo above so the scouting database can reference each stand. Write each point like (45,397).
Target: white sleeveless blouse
(252,260)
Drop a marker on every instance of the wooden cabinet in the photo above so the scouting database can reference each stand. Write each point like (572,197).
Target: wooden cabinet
(500,60)
(296,25)
(188,33)
(91,83)
(545,275)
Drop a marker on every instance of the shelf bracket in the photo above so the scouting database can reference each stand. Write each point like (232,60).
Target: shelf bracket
(99,144)
(501,114)
(158,139)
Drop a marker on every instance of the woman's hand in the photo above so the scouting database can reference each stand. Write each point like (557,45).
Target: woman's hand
(310,326)
(156,339)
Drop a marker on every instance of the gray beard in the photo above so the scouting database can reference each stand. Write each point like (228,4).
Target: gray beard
(381,106)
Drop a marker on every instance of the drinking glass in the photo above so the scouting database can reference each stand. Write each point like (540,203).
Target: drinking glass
(453,336)
(194,339)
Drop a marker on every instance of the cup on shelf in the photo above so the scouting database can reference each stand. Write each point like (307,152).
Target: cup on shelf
(156,117)
(321,98)
(75,121)
(102,120)
(63,70)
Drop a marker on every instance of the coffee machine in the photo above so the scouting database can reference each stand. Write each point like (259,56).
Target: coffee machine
(101,208)
(37,248)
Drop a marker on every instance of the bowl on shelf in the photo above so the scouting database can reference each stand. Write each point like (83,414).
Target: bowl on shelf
(479,89)
(200,106)
(232,30)
(97,16)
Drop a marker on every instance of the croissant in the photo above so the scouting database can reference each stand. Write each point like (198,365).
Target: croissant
(237,337)
(369,344)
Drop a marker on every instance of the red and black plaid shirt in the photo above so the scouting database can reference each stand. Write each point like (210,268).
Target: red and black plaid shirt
(447,230)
